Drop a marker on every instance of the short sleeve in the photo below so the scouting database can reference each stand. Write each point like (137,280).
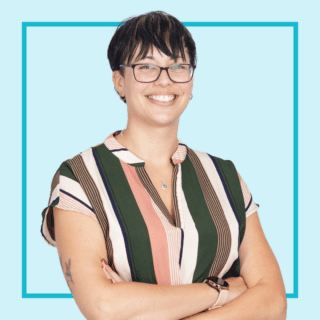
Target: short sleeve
(67,194)
(250,206)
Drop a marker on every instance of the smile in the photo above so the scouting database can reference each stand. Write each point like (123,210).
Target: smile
(162,98)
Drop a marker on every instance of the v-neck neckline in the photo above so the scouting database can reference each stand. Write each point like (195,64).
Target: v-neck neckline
(121,152)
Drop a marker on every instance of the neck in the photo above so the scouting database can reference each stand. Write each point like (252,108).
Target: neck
(153,145)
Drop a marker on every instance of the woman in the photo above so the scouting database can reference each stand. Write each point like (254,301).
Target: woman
(146,227)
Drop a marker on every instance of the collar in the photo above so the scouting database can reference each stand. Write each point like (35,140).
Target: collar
(127,156)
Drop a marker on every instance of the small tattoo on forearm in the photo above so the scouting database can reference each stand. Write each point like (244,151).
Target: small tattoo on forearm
(67,272)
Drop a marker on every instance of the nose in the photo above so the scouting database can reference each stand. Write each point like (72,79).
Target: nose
(164,78)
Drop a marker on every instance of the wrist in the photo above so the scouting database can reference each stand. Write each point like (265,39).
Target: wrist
(231,295)
(221,288)
(211,296)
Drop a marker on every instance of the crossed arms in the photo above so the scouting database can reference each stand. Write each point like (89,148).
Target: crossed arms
(81,248)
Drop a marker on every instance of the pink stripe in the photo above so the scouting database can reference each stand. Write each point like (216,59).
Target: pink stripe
(174,241)
(157,233)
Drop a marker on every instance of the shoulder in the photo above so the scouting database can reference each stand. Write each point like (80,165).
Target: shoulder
(218,170)
(207,158)
(66,166)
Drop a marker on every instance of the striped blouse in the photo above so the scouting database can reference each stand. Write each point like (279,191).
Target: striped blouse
(143,242)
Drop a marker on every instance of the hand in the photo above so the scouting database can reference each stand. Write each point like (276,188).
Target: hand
(112,276)
(237,286)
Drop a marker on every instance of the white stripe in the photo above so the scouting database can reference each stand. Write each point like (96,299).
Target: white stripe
(68,203)
(55,194)
(127,156)
(247,197)
(228,212)
(190,244)
(253,208)
(115,233)
(180,195)
(74,188)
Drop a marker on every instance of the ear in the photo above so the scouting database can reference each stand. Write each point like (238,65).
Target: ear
(118,82)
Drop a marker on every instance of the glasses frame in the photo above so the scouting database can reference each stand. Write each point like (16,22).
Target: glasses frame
(161,68)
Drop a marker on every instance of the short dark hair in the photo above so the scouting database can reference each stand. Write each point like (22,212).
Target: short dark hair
(155,28)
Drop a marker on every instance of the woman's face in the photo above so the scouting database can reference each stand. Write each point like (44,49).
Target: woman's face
(143,109)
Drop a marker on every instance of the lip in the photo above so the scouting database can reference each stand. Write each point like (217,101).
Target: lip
(163,103)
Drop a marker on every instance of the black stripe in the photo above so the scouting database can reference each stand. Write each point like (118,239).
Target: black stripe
(181,248)
(75,198)
(249,203)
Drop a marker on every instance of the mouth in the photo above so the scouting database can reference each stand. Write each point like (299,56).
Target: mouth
(163,103)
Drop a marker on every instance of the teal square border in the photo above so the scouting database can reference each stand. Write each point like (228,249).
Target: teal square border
(25,25)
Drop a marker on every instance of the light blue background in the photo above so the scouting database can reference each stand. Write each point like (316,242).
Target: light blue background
(243,113)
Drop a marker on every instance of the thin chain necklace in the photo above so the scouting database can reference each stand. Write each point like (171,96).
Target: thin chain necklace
(164,185)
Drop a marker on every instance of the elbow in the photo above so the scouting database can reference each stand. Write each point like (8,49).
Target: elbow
(96,311)
(104,311)
(107,309)
(112,311)
(283,308)
(280,309)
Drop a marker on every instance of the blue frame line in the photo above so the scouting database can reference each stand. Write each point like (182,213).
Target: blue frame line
(24,161)
(295,163)
(25,25)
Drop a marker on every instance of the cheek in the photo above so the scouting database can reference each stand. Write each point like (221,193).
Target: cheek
(185,87)
(139,89)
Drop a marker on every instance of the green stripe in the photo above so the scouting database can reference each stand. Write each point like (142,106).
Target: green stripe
(207,232)
(232,182)
(65,170)
(43,213)
(55,202)
(138,240)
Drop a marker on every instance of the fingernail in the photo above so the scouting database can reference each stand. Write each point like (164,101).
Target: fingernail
(104,262)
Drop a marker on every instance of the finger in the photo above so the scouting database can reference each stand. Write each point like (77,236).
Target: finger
(109,276)
(104,262)
(105,267)
(106,271)
(114,275)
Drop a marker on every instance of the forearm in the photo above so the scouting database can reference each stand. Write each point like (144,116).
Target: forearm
(257,303)
(136,300)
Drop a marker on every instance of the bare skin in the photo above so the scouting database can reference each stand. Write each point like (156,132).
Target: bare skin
(237,284)
(67,272)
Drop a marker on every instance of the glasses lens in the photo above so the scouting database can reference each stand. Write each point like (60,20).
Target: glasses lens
(181,72)
(150,72)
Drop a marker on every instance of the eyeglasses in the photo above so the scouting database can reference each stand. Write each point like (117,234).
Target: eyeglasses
(180,73)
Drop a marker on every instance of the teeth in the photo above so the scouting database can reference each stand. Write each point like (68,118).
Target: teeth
(162,98)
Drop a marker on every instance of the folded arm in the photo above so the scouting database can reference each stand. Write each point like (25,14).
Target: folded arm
(265,297)
(81,247)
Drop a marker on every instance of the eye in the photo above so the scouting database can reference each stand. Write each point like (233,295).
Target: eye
(146,66)
(178,66)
